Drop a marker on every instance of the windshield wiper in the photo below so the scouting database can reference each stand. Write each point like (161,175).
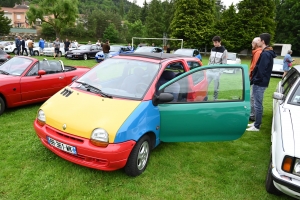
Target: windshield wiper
(94,89)
(4,72)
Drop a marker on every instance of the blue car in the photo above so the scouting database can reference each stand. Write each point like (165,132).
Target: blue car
(114,51)
(189,52)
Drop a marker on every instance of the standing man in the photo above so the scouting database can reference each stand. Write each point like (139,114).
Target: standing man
(218,55)
(23,44)
(56,45)
(256,51)
(261,77)
(30,47)
(106,49)
(67,45)
(168,49)
(18,44)
(42,46)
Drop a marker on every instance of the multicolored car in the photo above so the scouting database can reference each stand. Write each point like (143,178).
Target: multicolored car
(117,113)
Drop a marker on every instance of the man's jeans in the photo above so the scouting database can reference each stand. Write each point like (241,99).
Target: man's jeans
(213,74)
(252,114)
(106,55)
(258,94)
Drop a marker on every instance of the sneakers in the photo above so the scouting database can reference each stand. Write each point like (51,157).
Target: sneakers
(252,128)
(250,125)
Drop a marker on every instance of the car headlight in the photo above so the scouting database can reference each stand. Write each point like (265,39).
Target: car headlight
(41,118)
(296,170)
(99,137)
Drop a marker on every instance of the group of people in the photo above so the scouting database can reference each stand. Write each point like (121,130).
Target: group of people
(260,72)
(24,44)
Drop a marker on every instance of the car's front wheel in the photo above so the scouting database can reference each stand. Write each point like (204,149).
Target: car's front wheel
(138,158)
(15,51)
(270,187)
(2,105)
(36,53)
(85,57)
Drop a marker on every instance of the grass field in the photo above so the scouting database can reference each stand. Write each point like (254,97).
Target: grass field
(209,170)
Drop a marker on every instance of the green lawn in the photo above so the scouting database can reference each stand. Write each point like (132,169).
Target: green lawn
(209,170)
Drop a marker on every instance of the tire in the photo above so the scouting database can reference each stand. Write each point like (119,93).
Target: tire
(138,158)
(270,187)
(85,57)
(15,51)
(2,105)
(36,53)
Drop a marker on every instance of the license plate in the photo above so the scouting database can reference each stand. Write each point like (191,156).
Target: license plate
(69,56)
(100,58)
(62,146)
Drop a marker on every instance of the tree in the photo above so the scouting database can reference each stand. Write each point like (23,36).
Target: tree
(168,14)
(154,20)
(9,3)
(4,23)
(144,12)
(111,33)
(288,25)
(57,13)
(133,13)
(193,22)
(136,29)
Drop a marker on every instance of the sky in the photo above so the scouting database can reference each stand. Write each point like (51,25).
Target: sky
(226,3)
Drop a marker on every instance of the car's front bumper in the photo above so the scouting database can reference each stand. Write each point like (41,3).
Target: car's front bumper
(99,59)
(48,53)
(287,185)
(73,56)
(109,158)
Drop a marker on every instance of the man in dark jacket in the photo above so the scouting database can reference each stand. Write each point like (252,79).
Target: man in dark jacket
(261,78)
(23,47)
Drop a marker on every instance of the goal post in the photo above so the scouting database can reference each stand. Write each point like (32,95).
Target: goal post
(163,39)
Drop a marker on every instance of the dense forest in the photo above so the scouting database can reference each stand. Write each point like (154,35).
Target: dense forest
(195,21)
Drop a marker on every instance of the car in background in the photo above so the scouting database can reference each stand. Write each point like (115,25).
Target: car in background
(3,44)
(3,56)
(277,69)
(232,58)
(114,51)
(127,105)
(84,52)
(189,52)
(12,49)
(26,80)
(49,51)
(149,49)
(284,168)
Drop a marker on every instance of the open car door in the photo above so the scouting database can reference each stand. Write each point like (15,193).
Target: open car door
(209,119)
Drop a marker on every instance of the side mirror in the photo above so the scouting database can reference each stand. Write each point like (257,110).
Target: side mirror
(278,96)
(41,72)
(162,98)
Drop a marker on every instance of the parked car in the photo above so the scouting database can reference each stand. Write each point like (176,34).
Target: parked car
(26,80)
(12,49)
(114,51)
(189,52)
(232,58)
(3,44)
(277,69)
(3,56)
(284,169)
(49,51)
(84,52)
(148,49)
(132,102)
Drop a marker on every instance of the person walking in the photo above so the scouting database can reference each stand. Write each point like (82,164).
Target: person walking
(30,47)
(67,45)
(56,45)
(287,62)
(18,44)
(105,49)
(260,78)
(256,51)
(42,46)
(23,44)
(218,55)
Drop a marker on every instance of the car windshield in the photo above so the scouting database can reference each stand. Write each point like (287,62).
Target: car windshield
(231,56)
(85,47)
(278,61)
(186,52)
(144,49)
(121,77)
(296,96)
(15,66)
(115,48)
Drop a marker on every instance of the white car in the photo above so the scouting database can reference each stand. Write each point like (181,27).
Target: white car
(49,51)
(284,169)
(13,49)
(277,69)
(232,58)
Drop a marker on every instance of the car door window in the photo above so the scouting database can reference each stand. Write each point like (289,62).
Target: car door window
(33,71)
(289,81)
(93,48)
(195,87)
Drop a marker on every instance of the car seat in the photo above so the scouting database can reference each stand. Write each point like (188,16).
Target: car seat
(130,82)
(174,88)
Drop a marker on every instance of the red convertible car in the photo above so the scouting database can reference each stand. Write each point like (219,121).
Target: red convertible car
(25,80)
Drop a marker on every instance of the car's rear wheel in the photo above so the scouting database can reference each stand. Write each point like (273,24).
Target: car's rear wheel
(85,57)
(36,53)
(2,105)
(270,187)
(138,158)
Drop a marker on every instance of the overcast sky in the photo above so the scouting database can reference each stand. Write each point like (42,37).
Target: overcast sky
(227,3)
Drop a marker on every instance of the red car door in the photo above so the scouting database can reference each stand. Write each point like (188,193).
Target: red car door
(35,87)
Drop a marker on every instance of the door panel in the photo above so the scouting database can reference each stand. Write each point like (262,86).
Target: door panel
(197,119)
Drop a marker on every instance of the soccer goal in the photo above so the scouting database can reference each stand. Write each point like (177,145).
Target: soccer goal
(163,39)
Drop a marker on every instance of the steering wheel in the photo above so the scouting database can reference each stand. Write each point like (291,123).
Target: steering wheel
(141,88)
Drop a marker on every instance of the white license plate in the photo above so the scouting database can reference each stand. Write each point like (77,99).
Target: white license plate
(62,146)
(69,56)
